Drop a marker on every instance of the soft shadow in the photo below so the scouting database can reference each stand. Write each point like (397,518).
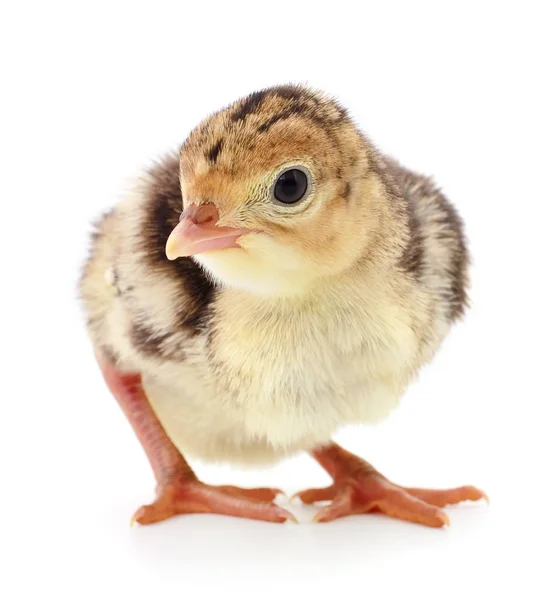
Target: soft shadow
(216,542)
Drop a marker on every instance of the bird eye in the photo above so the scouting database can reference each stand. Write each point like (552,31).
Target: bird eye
(291,186)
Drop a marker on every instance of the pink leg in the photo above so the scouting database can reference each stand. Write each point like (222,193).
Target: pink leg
(178,489)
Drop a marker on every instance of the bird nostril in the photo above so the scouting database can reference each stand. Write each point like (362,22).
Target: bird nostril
(201,214)
(206,214)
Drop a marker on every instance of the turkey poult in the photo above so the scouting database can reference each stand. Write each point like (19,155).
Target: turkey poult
(275,279)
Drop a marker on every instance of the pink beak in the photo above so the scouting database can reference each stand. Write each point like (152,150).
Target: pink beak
(198,232)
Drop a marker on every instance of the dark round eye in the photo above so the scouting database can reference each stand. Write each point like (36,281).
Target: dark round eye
(291,186)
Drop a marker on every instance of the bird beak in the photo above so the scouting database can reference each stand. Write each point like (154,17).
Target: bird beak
(198,232)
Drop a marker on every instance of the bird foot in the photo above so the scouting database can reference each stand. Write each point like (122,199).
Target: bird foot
(368,491)
(181,496)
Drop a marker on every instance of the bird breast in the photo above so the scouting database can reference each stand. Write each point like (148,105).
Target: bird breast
(264,382)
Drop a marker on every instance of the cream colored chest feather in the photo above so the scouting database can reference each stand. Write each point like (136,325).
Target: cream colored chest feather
(288,383)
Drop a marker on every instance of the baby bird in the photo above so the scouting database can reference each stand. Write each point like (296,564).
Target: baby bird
(275,279)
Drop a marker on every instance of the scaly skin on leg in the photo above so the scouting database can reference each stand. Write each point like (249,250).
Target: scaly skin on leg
(359,488)
(178,489)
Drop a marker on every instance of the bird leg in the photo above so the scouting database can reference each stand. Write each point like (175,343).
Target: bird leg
(358,488)
(178,489)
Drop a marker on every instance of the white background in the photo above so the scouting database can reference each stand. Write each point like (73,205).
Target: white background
(91,95)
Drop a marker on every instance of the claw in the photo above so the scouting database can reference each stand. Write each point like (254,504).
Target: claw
(445,518)
(292,519)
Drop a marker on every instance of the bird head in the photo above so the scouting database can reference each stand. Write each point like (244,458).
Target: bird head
(276,192)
